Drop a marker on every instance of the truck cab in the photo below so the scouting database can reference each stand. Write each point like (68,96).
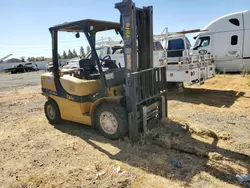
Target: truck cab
(178,47)
(226,38)
(182,66)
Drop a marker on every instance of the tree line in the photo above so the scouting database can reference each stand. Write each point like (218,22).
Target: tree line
(69,55)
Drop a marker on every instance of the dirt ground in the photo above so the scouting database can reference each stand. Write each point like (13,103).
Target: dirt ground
(208,133)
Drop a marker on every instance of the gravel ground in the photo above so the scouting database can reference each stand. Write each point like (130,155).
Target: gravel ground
(17,81)
(208,132)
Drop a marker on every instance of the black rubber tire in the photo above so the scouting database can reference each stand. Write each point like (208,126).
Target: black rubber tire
(121,116)
(57,119)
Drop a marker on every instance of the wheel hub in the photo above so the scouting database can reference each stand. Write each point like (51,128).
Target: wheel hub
(108,122)
(51,112)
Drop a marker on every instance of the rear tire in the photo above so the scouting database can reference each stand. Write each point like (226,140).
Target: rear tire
(111,120)
(52,112)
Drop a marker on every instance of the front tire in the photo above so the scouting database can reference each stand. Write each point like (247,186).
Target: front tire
(111,120)
(52,112)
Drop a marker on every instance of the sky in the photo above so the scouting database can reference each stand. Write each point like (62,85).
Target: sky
(24,23)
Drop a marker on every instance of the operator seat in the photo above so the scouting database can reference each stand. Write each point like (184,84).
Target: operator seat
(88,70)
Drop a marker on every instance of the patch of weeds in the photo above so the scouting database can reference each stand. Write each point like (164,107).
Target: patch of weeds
(245,72)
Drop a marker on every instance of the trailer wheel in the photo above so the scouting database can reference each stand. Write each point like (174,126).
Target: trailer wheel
(52,112)
(111,120)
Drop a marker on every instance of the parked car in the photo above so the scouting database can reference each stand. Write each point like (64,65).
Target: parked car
(16,69)
(49,66)
(31,67)
(27,67)
(74,63)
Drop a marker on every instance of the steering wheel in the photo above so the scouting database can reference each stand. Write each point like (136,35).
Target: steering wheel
(105,58)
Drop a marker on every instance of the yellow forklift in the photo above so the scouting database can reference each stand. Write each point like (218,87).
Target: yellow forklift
(117,100)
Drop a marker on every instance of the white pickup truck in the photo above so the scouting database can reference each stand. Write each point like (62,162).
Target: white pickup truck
(181,66)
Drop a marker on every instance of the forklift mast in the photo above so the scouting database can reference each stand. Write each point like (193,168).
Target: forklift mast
(144,85)
(137,30)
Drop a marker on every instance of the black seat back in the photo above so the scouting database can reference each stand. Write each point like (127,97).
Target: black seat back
(88,69)
(88,65)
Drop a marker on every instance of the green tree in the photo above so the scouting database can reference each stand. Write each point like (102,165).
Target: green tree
(28,59)
(82,52)
(40,58)
(70,54)
(23,59)
(64,55)
(48,59)
(59,56)
(88,49)
(74,53)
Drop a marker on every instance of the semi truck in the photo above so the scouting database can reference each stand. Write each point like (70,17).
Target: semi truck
(228,39)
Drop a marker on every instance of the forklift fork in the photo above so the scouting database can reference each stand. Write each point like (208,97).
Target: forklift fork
(148,91)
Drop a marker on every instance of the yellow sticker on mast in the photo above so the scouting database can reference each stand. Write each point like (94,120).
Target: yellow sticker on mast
(127,30)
